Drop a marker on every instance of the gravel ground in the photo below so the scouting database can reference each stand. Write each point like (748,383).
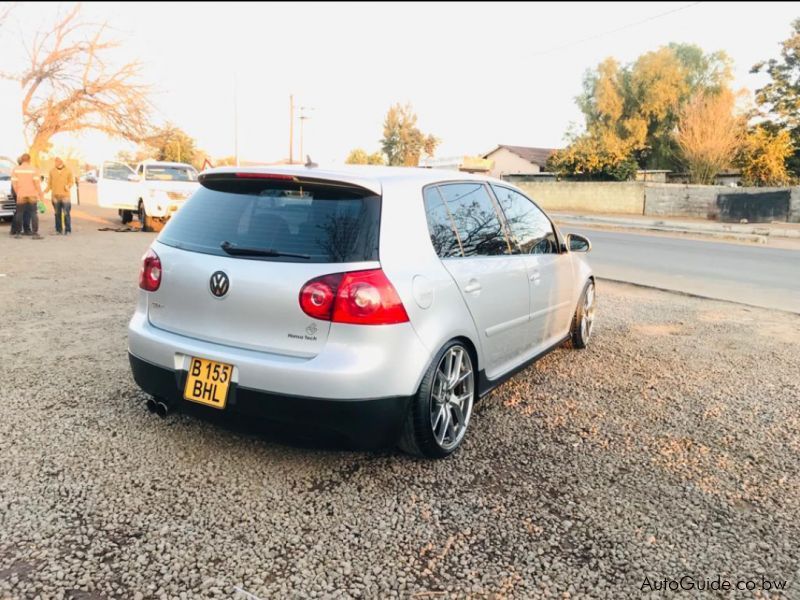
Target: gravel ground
(668,448)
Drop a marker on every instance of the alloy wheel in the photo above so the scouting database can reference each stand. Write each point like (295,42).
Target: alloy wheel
(452,395)
(587,317)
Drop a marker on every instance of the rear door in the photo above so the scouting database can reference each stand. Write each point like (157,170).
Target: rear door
(331,228)
(549,271)
(117,186)
(467,233)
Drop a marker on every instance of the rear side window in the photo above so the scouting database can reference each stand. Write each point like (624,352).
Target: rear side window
(474,218)
(530,227)
(440,225)
(326,224)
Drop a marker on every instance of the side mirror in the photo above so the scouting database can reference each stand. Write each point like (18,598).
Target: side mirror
(578,243)
(133,177)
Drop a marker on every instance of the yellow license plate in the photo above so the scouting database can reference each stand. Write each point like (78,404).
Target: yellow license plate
(208,382)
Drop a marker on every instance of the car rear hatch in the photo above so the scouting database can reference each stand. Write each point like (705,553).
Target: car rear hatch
(236,256)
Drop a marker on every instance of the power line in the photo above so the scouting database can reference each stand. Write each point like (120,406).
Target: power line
(618,29)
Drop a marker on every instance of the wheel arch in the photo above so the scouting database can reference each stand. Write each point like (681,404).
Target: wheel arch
(473,351)
(467,342)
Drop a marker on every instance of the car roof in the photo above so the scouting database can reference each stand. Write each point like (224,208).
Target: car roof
(367,176)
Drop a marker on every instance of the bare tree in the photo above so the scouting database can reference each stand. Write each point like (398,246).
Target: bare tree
(5,11)
(68,85)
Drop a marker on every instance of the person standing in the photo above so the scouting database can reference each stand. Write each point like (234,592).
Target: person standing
(26,184)
(61,181)
(15,223)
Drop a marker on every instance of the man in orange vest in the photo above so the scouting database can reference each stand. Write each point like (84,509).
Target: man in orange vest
(26,183)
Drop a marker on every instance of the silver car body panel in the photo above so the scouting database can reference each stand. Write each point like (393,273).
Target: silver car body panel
(523,306)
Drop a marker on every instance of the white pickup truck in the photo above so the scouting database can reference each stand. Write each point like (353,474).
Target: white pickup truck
(154,191)
(7,203)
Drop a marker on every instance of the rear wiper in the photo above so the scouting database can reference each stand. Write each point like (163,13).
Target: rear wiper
(241,251)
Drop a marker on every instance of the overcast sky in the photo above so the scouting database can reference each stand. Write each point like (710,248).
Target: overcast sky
(477,74)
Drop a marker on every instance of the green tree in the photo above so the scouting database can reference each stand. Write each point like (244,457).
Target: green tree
(132,158)
(779,99)
(359,156)
(224,161)
(632,111)
(170,143)
(764,156)
(403,143)
(594,157)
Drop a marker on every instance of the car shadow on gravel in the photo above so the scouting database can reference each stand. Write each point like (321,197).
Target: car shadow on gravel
(294,435)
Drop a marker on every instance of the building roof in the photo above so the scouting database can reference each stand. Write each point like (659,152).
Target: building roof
(536,156)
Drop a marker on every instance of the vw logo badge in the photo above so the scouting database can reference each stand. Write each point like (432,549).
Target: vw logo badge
(219,284)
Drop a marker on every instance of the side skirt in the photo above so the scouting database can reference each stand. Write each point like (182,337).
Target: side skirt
(486,385)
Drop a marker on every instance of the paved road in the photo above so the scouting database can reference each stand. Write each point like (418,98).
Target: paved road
(751,274)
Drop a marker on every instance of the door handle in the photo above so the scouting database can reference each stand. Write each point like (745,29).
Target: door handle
(535,276)
(472,287)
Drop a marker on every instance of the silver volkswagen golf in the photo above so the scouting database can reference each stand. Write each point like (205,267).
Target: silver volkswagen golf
(379,303)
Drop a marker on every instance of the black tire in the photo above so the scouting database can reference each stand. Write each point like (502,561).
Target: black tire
(144,219)
(418,437)
(126,216)
(583,322)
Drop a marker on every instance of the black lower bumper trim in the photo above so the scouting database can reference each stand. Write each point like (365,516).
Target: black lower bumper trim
(365,423)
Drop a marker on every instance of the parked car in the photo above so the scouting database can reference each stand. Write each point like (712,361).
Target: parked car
(8,203)
(377,302)
(153,192)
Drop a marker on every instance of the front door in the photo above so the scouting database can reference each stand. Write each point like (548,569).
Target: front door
(475,250)
(117,186)
(549,271)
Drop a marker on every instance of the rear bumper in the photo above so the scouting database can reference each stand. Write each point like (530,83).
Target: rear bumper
(357,363)
(365,423)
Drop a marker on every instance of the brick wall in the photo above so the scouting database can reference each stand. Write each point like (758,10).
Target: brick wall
(679,200)
(639,198)
(574,196)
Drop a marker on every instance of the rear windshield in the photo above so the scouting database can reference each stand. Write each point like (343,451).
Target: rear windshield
(324,224)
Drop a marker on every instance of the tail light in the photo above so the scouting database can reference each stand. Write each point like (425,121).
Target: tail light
(150,273)
(358,297)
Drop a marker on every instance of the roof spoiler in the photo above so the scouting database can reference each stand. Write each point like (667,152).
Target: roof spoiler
(220,179)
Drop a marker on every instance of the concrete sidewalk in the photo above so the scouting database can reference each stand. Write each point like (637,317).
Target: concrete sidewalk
(752,232)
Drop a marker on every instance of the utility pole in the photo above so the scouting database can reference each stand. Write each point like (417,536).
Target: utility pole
(291,129)
(235,120)
(303,118)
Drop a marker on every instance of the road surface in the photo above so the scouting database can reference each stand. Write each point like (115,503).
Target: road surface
(750,274)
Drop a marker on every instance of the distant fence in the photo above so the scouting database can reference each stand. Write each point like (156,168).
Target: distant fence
(587,196)
(756,204)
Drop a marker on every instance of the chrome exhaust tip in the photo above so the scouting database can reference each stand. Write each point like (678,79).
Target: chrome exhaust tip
(151,405)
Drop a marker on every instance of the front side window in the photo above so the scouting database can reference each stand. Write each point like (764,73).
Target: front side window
(117,171)
(475,219)
(532,230)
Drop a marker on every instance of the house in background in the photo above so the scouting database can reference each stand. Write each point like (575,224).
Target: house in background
(466,164)
(518,160)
